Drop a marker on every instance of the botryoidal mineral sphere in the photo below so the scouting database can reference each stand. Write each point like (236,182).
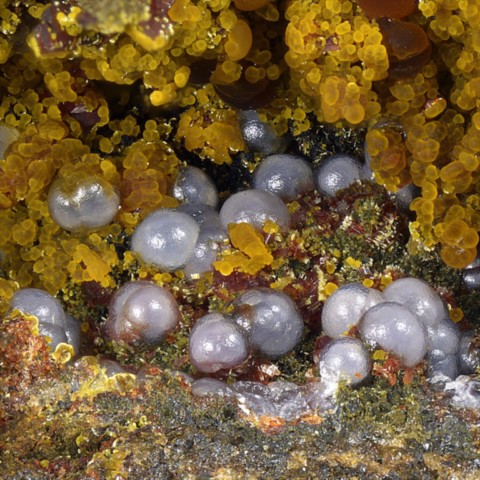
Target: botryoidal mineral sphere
(345,359)
(53,333)
(336,173)
(39,303)
(344,308)
(419,297)
(207,218)
(286,176)
(260,136)
(471,275)
(166,238)
(90,204)
(142,312)
(53,323)
(195,186)
(212,234)
(395,329)
(271,319)
(217,343)
(255,207)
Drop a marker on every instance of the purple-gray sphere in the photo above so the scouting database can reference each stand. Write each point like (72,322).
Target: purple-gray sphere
(195,186)
(286,176)
(395,329)
(419,297)
(336,173)
(217,343)
(92,204)
(344,308)
(271,319)
(345,359)
(255,207)
(39,303)
(142,312)
(166,239)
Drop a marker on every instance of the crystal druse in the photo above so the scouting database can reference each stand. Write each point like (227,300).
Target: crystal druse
(240,239)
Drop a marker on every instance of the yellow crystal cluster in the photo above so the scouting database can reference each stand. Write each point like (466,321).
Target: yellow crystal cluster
(334,54)
(252,254)
(436,138)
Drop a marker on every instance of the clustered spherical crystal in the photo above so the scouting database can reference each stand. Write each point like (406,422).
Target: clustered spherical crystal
(263,321)
(53,323)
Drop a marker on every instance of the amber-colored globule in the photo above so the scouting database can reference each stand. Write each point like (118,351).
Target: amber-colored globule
(388,8)
(408,47)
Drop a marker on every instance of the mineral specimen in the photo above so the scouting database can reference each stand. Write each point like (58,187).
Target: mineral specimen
(216,343)
(255,207)
(286,176)
(142,311)
(121,101)
(336,173)
(166,239)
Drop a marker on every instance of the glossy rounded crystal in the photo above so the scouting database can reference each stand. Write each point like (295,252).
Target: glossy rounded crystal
(39,303)
(471,275)
(255,207)
(336,173)
(448,366)
(142,312)
(195,186)
(444,337)
(345,359)
(344,308)
(259,136)
(207,218)
(166,239)
(90,204)
(419,297)
(271,319)
(204,254)
(394,328)
(217,343)
(54,334)
(287,176)
(73,333)
(212,234)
